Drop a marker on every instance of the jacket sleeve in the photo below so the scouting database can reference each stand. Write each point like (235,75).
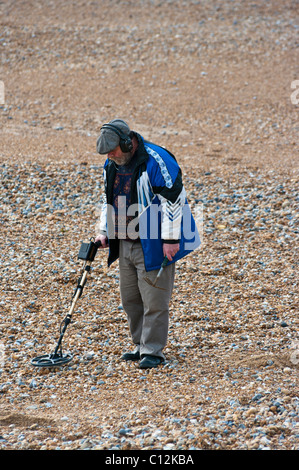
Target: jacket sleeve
(166,181)
(172,217)
(103,220)
(102,226)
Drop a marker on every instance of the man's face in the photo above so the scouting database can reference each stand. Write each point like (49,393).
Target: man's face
(119,157)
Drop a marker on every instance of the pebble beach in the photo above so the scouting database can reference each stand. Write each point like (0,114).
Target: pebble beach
(212,82)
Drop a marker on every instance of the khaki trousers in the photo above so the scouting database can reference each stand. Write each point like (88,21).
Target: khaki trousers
(147,307)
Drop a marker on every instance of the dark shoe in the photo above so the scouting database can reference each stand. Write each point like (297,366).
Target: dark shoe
(131,356)
(150,361)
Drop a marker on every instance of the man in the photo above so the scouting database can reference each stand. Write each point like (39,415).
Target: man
(142,222)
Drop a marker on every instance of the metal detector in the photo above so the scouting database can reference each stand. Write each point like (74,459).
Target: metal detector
(87,253)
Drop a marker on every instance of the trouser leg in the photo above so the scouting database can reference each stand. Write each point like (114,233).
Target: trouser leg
(147,307)
(156,310)
(129,292)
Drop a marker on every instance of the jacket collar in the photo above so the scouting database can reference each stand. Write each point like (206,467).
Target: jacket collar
(142,155)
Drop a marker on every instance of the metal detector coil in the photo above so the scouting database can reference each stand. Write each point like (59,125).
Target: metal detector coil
(87,253)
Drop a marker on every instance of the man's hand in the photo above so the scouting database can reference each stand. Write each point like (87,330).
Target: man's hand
(103,239)
(170,249)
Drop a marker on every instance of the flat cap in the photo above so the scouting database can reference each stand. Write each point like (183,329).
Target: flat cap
(109,138)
